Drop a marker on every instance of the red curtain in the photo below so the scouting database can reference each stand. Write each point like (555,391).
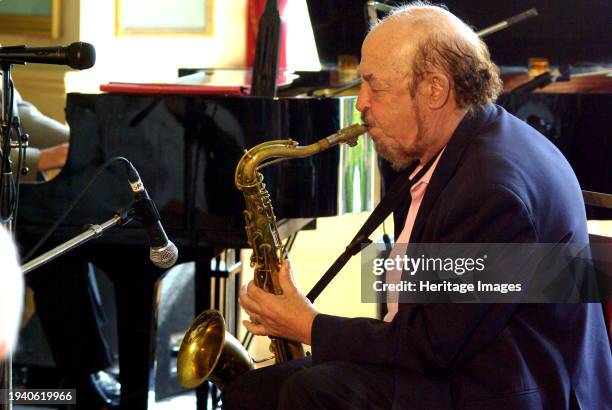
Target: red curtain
(254,10)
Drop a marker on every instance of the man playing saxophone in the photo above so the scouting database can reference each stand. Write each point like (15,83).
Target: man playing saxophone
(427,95)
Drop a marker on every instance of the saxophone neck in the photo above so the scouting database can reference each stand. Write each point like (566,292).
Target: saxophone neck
(258,156)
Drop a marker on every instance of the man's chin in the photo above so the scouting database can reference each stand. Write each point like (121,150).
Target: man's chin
(397,162)
(372,131)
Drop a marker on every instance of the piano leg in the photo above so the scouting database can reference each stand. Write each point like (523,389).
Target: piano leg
(216,286)
(137,287)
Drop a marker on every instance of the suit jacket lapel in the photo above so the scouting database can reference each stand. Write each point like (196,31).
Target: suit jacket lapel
(447,164)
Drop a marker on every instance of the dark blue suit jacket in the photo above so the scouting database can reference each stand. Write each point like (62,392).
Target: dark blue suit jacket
(497,181)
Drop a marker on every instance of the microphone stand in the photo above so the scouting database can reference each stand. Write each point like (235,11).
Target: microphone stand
(120,218)
(7,197)
(7,192)
(532,12)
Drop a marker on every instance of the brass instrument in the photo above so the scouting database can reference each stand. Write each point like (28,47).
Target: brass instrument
(207,350)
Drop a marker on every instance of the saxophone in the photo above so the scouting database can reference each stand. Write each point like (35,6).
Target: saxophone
(207,350)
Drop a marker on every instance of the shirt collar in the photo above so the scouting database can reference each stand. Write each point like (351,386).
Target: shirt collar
(427,177)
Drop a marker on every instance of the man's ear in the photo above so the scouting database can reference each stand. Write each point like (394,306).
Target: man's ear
(439,88)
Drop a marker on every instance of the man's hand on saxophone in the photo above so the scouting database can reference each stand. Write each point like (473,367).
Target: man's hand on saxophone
(288,316)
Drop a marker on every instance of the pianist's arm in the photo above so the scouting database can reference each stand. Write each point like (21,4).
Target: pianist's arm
(48,140)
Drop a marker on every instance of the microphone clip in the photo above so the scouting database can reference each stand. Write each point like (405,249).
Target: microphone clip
(145,211)
(126,215)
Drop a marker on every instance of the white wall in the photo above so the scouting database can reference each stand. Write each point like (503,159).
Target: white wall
(156,58)
(301,47)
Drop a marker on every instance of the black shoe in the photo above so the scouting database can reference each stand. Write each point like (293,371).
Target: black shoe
(94,391)
(107,388)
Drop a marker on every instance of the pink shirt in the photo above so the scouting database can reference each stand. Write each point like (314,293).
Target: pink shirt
(417,192)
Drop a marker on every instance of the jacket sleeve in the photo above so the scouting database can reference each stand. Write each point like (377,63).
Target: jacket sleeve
(429,338)
(32,156)
(44,132)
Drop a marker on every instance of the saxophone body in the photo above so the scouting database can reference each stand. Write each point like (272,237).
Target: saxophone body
(200,355)
(264,240)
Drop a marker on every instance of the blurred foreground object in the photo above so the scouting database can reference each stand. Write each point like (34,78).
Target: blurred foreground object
(11,294)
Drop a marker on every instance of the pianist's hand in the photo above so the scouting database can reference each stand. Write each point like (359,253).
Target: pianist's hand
(53,157)
(289,315)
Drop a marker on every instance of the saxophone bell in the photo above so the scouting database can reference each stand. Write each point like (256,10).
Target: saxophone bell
(208,351)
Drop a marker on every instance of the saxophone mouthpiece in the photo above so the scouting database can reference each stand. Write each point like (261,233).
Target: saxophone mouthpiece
(347,135)
(354,130)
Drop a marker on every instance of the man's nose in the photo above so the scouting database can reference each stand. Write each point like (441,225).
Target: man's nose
(363,100)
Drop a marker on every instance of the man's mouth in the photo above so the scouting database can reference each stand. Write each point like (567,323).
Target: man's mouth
(365,121)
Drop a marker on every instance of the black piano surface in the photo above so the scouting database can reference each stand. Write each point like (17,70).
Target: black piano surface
(186,149)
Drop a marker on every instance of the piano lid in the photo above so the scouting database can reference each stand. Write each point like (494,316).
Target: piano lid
(566,31)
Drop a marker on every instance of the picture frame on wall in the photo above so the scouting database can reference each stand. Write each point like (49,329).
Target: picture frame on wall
(164,18)
(37,18)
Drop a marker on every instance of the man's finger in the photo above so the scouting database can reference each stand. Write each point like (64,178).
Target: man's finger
(255,292)
(284,277)
(252,291)
(247,302)
(258,330)
(242,291)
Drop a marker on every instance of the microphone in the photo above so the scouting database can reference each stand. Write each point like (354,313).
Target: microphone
(76,55)
(163,252)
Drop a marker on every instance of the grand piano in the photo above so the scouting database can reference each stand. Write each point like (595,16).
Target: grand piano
(186,148)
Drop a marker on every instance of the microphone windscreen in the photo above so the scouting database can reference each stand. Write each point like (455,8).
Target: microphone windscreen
(81,55)
(164,257)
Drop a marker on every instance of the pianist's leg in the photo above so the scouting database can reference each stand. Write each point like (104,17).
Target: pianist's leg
(71,319)
(297,385)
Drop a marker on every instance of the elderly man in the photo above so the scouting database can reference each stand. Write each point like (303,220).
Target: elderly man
(428,85)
